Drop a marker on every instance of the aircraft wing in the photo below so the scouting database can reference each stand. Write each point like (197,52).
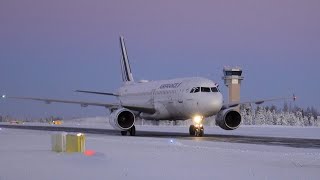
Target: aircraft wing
(149,110)
(230,105)
(82,103)
(85,103)
(100,93)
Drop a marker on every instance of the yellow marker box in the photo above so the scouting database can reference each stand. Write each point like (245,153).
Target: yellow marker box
(75,143)
(58,142)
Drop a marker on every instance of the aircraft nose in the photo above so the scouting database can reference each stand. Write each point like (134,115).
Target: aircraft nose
(217,102)
(214,103)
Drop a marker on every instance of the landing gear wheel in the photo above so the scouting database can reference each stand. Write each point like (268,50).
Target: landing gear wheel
(192,130)
(124,133)
(196,131)
(132,131)
(201,132)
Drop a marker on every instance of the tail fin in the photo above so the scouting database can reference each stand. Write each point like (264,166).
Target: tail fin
(125,65)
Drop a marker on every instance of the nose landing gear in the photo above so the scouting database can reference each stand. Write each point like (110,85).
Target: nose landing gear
(197,129)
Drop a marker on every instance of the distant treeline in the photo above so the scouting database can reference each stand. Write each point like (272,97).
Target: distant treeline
(272,115)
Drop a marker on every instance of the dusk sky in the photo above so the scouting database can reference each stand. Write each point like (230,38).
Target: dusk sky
(51,48)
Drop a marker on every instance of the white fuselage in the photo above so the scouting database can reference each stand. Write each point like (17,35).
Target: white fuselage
(173,99)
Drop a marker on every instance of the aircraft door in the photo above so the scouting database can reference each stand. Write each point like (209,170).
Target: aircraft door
(179,103)
(153,94)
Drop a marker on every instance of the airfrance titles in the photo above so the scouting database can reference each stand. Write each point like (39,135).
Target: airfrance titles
(173,85)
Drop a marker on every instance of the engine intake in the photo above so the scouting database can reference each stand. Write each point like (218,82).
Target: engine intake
(228,119)
(122,119)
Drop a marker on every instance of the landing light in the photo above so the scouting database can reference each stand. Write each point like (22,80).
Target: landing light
(3,96)
(197,119)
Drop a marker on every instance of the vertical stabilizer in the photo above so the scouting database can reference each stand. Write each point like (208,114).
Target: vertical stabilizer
(125,65)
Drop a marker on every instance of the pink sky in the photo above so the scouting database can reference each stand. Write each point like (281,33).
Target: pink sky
(79,39)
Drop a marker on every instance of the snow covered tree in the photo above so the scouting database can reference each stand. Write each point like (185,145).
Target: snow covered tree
(285,107)
(314,112)
(260,115)
(269,117)
(299,118)
(246,112)
(290,119)
(273,108)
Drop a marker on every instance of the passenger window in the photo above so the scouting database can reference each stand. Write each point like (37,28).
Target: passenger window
(214,89)
(205,89)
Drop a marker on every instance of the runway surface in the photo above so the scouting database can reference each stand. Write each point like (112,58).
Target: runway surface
(273,141)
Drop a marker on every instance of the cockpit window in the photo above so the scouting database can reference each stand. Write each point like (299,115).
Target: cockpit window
(214,89)
(205,89)
(195,90)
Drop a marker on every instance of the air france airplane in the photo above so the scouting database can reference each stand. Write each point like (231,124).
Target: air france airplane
(175,99)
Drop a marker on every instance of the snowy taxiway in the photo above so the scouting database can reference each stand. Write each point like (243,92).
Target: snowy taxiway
(25,154)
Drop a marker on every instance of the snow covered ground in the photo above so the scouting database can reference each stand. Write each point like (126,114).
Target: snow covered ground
(26,154)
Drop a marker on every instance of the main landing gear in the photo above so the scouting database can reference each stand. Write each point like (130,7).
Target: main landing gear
(197,129)
(132,131)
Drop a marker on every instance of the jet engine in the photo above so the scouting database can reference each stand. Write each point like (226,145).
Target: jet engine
(228,119)
(122,119)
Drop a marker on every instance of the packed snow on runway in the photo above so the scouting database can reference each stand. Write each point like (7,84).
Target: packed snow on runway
(26,154)
(243,130)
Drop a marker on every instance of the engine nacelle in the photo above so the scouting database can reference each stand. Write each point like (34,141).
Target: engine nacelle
(228,119)
(122,119)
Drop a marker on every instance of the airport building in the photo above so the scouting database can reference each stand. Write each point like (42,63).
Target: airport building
(232,79)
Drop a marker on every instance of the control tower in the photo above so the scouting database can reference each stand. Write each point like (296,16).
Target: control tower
(232,79)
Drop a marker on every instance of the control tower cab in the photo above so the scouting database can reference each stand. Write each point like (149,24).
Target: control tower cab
(232,79)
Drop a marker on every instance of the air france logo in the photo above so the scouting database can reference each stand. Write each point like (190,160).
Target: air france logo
(174,85)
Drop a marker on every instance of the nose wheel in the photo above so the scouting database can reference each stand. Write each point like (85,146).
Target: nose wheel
(196,130)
